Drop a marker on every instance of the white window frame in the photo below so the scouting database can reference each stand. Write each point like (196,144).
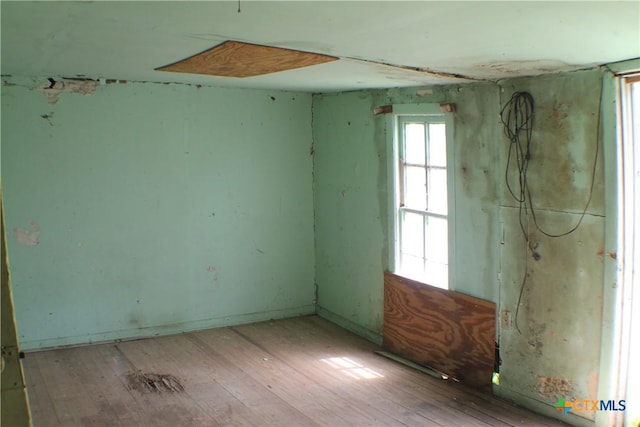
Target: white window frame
(627,298)
(425,111)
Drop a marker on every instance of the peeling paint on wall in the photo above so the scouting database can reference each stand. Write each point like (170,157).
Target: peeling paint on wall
(551,387)
(26,237)
(55,88)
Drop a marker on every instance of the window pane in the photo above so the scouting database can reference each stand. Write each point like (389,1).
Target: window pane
(412,267)
(414,144)
(415,189)
(436,275)
(438,191)
(412,238)
(437,145)
(437,237)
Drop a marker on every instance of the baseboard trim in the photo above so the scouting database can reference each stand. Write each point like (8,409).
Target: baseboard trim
(349,325)
(162,330)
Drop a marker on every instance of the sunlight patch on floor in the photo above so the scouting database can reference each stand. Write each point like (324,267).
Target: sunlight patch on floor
(352,368)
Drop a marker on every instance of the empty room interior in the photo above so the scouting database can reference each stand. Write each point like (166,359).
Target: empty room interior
(338,213)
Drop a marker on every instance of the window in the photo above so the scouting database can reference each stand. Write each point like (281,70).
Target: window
(421,199)
(627,304)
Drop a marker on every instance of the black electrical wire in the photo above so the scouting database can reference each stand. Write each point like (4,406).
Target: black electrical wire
(517,116)
(593,180)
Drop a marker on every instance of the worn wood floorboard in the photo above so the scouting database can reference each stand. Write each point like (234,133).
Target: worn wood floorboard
(447,393)
(38,391)
(296,372)
(312,385)
(391,402)
(332,369)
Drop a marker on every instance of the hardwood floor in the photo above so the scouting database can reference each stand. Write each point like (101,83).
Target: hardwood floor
(295,372)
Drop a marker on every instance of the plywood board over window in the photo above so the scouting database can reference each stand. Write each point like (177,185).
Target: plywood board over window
(445,330)
(239,59)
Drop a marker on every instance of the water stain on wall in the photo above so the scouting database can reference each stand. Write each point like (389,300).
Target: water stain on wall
(563,287)
(565,142)
(475,157)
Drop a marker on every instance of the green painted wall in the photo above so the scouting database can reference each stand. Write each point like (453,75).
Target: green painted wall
(164,208)
(352,201)
(558,353)
(160,208)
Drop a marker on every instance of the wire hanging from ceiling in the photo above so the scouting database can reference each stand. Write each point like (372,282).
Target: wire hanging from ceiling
(518,116)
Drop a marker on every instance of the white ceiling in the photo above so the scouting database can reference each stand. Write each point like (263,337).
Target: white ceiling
(476,39)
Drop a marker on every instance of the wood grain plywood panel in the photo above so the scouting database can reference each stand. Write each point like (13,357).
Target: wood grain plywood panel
(239,59)
(450,332)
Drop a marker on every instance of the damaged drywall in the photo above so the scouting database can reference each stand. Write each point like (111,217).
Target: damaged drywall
(552,285)
(550,342)
(55,88)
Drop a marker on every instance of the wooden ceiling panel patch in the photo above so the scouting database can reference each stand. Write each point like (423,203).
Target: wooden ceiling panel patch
(238,59)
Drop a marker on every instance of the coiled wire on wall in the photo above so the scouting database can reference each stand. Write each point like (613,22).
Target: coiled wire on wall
(517,116)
